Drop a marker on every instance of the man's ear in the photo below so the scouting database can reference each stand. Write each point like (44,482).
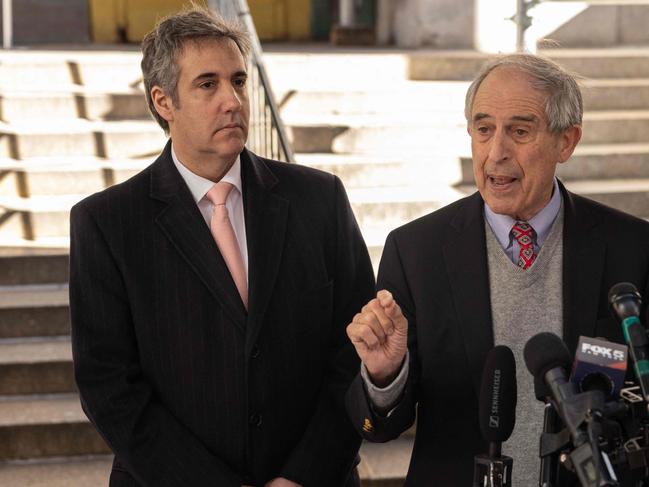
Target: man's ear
(162,103)
(568,140)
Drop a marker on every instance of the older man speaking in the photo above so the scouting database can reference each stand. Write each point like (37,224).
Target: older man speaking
(519,256)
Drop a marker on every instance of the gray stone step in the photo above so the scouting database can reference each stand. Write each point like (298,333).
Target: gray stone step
(628,195)
(87,471)
(36,366)
(615,127)
(46,426)
(437,98)
(391,207)
(369,171)
(367,134)
(36,310)
(23,265)
(65,175)
(94,68)
(400,97)
(616,161)
(117,139)
(73,103)
(612,94)
(385,464)
(36,216)
(604,24)
(592,63)
(382,465)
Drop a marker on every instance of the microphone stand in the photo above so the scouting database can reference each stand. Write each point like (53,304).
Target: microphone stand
(494,469)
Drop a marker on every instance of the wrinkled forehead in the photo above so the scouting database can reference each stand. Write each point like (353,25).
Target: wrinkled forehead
(511,91)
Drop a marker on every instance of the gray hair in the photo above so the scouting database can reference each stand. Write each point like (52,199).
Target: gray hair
(563,105)
(161,47)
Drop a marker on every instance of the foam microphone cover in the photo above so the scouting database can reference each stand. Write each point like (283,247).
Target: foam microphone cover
(544,352)
(625,300)
(498,395)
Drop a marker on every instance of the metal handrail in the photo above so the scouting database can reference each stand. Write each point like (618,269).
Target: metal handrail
(267,135)
(7,24)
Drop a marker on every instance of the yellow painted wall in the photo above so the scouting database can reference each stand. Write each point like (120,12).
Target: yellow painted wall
(274,19)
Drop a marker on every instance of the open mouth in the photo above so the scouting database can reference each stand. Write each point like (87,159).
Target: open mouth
(501,181)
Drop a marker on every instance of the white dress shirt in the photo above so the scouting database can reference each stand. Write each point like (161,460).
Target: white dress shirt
(199,186)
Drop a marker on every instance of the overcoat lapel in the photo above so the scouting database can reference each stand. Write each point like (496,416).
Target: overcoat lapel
(465,257)
(583,257)
(266,219)
(181,222)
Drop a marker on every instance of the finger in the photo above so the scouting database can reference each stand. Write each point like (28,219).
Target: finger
(384,321)
(392,309)
(362,334)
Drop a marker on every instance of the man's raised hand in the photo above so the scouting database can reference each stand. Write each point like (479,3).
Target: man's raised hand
(380,335)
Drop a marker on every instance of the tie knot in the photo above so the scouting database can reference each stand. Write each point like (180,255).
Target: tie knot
(523,233)
(219,193)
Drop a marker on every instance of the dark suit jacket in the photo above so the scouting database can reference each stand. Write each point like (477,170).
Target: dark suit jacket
(185,386)
(436,267)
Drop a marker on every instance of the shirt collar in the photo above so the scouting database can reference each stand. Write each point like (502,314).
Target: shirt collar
(198,185)
(541,222)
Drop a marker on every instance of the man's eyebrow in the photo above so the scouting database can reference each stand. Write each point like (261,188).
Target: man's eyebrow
(206,75)
(479,116)
(525,118)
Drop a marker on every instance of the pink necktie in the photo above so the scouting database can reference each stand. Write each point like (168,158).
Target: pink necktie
(225,238)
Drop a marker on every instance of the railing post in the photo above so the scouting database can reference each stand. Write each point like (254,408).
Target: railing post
(346,11)
(7,24)
(523,21)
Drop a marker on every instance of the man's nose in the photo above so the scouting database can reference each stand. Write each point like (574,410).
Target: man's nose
(499,149)
(233,100)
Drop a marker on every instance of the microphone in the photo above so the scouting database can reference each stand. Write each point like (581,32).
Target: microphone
(625,303)
(548,360)
(497,414)
(599,365)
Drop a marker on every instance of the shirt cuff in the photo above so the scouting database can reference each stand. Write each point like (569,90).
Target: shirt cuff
(384,399)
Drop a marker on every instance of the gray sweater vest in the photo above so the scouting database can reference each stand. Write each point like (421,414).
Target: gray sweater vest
(524,303)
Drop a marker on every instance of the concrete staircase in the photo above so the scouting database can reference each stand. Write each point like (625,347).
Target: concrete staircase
(389,123)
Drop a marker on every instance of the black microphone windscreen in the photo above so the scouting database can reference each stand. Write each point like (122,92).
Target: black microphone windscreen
(624,300)
(498,395)
(546,351)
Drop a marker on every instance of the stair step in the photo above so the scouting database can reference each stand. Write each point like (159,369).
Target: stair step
(75,103)
(630,196)
(413,136)
(37,295)
(46,426)
(615,94)
(605,161)
(591,63)
(36,366)
(57,472)
(605,23)
(616,126)
(22,265)
(393,206)
(404,97)
(366,171)
(63,175)
(382,465)
(114,139)
(385,464)
(95,68)
(42,216)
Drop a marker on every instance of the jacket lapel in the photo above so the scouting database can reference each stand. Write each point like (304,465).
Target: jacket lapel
(583,257)
(181,222)
(266,219)
(465,256)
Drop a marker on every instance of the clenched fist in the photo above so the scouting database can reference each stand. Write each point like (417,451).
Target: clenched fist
(380,335)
